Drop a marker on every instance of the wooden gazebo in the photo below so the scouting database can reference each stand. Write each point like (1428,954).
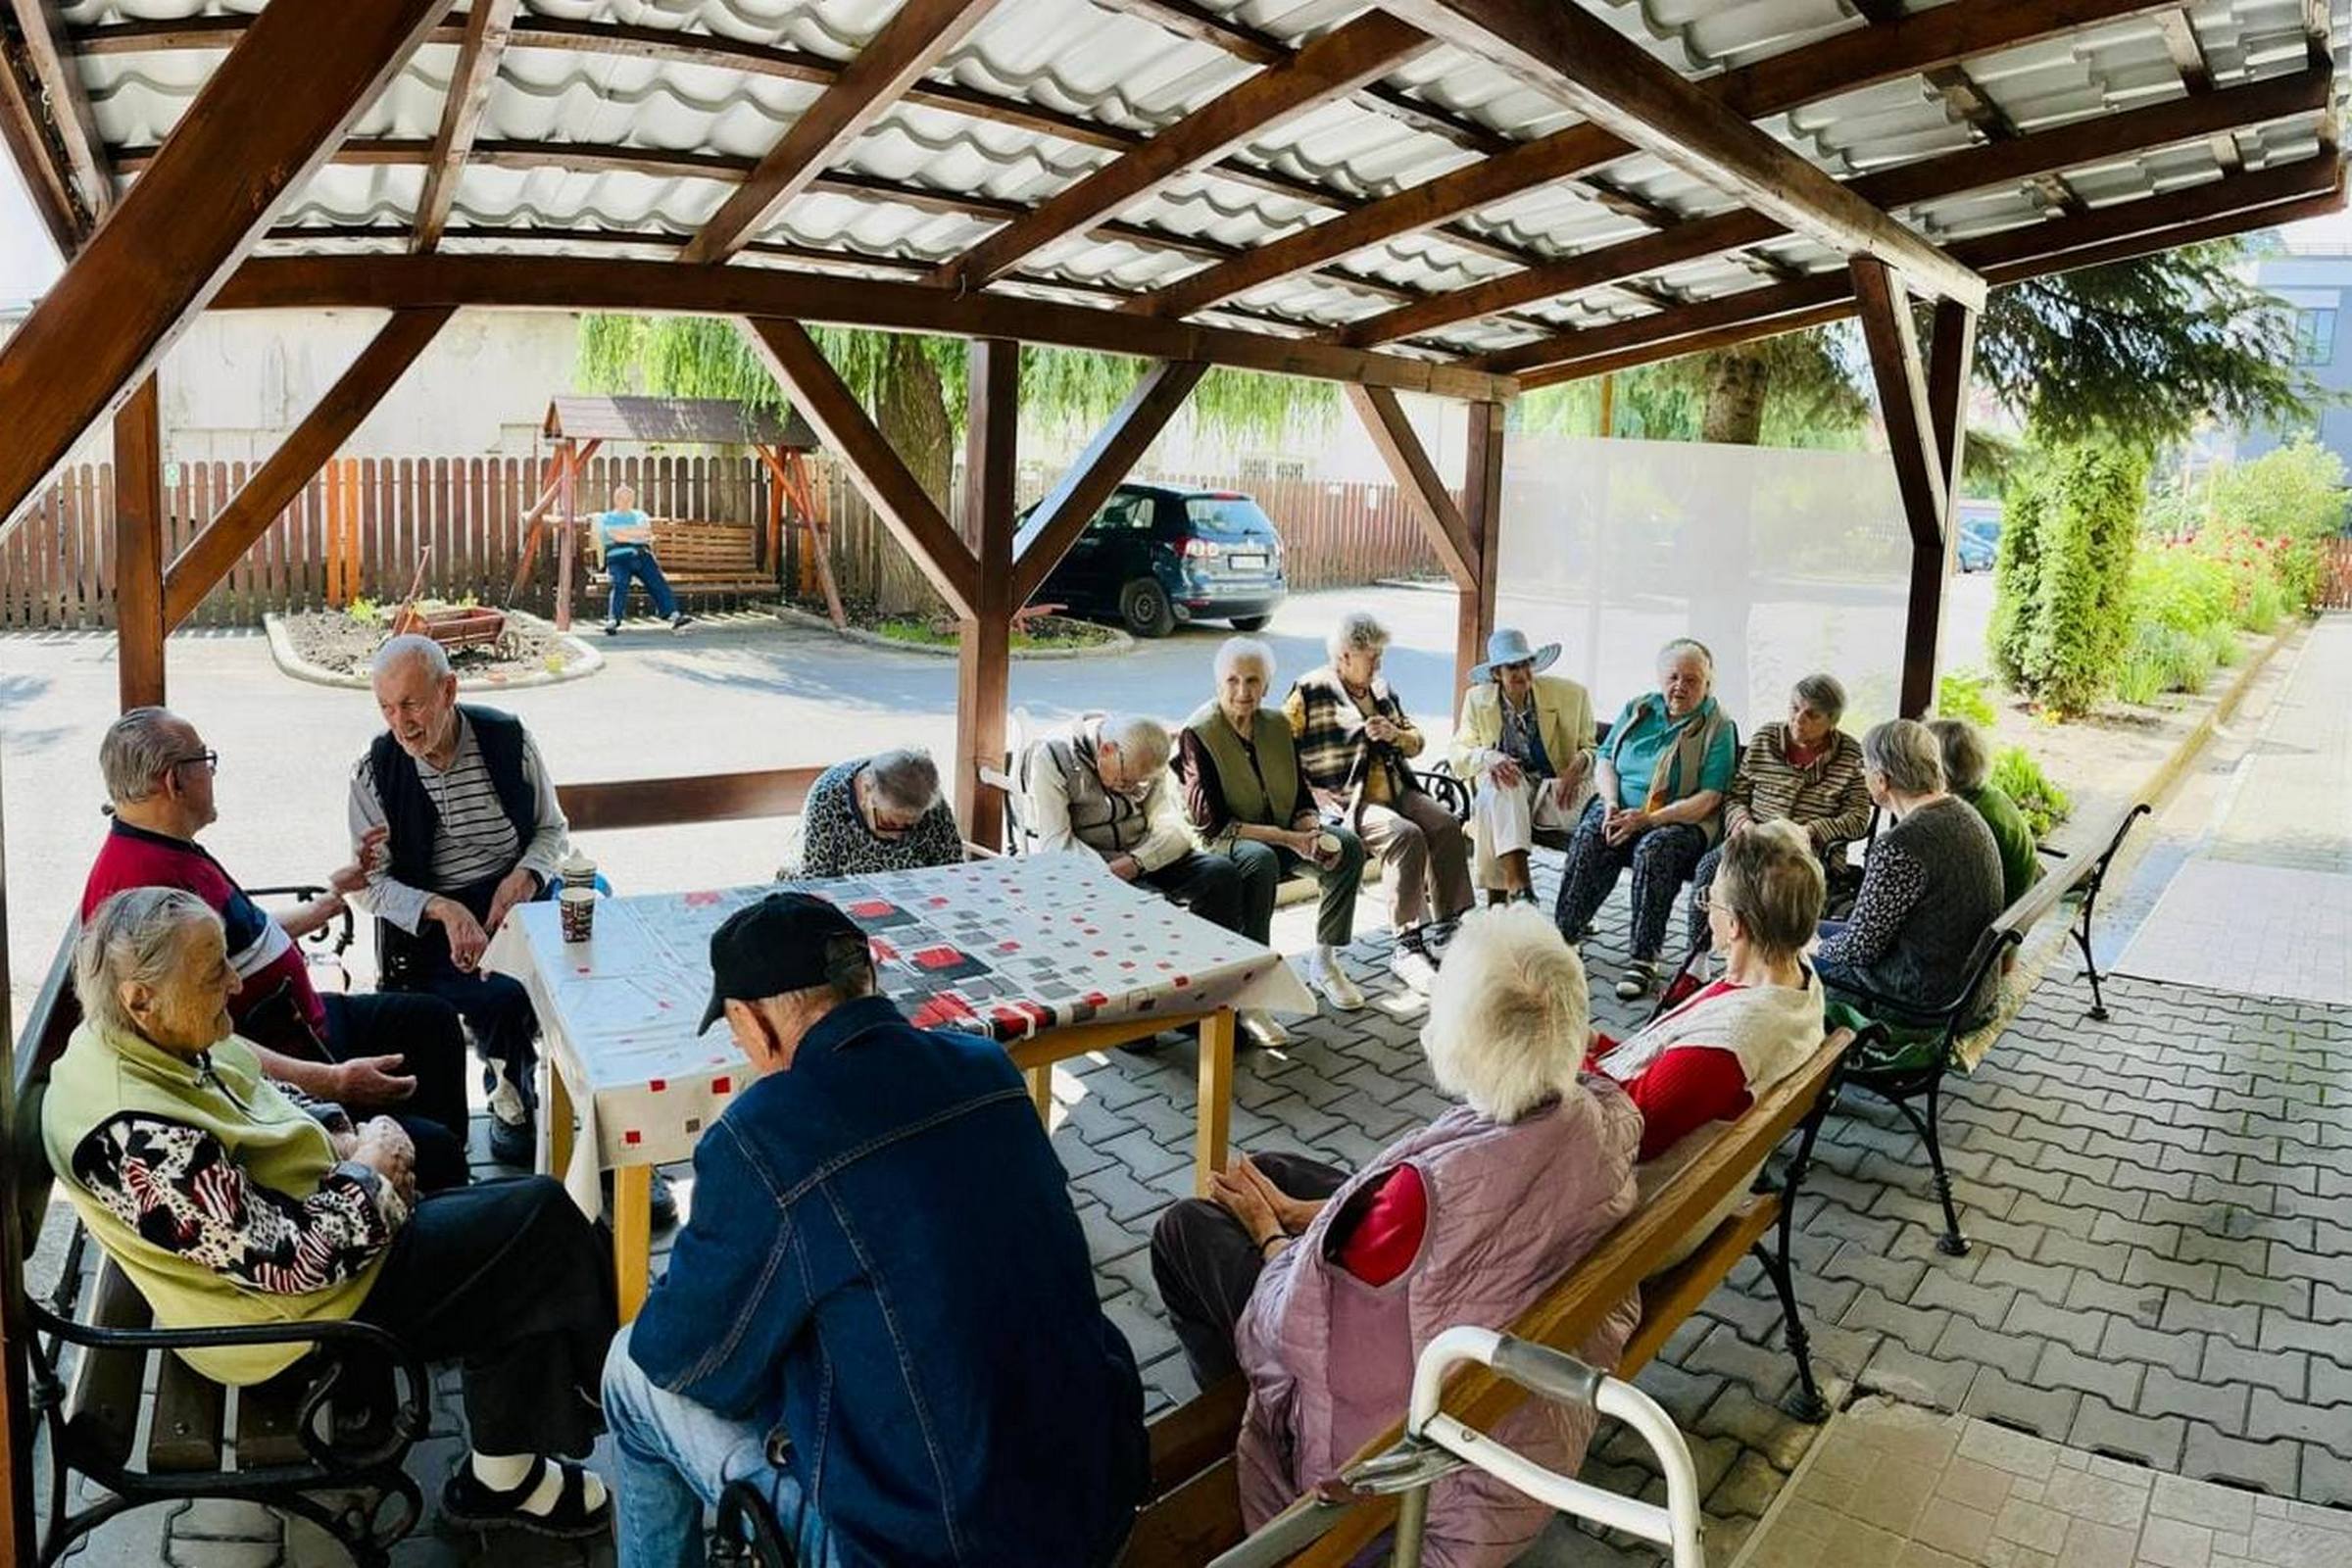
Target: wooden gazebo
(1456,197)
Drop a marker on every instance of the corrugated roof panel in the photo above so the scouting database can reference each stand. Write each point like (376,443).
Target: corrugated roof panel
(953,152)
(627,100)
(1087,57)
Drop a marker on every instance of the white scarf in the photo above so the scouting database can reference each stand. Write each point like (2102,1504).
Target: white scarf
(1771,1030)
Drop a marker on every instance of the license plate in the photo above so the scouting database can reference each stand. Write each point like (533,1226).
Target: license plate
(1244,563)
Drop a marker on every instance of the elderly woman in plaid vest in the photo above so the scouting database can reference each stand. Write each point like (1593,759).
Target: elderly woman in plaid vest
(1354,743)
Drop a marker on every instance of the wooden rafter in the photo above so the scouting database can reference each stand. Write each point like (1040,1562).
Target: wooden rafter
(1568,52)
(139,624)
(273,487)
(42,25)
(245,144)
(489,24)
(1055,526)
(1400,447)
(881,475)
(2114,232)
(1482,516)
(1843,63)
(908,46)
(534,282)
(1953,173)
(1902,383)
(1329,68)
(24,133)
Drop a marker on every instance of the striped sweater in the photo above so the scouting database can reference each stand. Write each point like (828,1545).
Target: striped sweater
(1826,798)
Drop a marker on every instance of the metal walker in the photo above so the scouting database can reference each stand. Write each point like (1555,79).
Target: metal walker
(1437,1444)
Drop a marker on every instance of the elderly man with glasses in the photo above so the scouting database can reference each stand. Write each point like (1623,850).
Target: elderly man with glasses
(403,1055)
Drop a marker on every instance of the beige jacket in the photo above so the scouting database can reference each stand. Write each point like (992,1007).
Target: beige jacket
(1563,718)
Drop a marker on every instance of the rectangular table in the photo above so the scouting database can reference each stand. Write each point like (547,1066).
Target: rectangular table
(1051,955)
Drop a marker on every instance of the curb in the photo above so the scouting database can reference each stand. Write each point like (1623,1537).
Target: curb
(586,662)
(1119,645)
(1419,585)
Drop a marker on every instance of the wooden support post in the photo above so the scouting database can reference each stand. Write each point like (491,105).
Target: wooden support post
(1482,514)
(1058,521)
(268,116)
(567,529)
(984,650)
(551,493)
(139,626)
(1921,469)
(1417,482)
(299,457)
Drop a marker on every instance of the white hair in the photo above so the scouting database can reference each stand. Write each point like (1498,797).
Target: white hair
(136,749)
(410,645)
(1234,652)
(1142,743)
(1508,1014)
(905,779)
(1358,629)
(1686,644)
(132,939)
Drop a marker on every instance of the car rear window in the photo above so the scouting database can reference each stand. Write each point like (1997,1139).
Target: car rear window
(1227,516)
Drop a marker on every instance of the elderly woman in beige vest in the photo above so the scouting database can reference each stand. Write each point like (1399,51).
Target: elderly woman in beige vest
(1249,800)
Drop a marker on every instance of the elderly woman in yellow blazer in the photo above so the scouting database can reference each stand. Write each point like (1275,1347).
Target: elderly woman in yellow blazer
(1525,747)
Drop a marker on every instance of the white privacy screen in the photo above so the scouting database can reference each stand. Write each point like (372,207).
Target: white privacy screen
(1780,562)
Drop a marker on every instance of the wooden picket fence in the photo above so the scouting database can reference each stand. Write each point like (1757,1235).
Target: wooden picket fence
(363,525)
(2336,594)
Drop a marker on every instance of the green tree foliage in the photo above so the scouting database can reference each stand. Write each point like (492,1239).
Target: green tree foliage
(1809,398)
(2062,584)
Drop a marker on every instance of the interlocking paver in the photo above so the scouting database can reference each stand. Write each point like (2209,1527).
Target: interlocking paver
(2220,1406)
(2117,1382)
(2181,1352)
(1995,1396)
(2154,1441)
(2287,1371)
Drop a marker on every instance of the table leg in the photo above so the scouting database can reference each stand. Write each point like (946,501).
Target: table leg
(632,1235)
(1216,1096)
(1040,1092)
(559,1122)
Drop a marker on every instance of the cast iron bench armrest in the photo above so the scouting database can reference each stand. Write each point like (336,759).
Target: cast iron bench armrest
(341,925)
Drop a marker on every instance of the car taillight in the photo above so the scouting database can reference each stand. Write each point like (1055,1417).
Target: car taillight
(1205,549)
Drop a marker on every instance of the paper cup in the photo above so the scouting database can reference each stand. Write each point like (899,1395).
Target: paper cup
(1327,846)
(577,906)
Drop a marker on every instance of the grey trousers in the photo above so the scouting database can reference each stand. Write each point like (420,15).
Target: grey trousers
(1427,860)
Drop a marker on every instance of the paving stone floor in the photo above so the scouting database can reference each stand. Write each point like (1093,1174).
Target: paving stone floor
(2159,1207)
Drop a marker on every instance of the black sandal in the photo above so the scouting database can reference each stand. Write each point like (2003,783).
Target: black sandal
(466,1502)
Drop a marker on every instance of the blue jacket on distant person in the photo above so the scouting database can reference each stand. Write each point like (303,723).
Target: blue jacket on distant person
(883,1262)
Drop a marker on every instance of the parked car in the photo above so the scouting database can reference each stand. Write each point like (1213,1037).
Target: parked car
(1157,556)
(1978,543)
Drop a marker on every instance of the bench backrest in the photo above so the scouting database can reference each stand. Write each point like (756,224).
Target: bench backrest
(604,808)
(55,1014)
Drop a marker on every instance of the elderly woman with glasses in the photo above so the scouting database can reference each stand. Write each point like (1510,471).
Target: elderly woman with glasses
(1356,744)
(228,1201)
(1806,771)
(1324,1288)
(1657,806)
(877,813)
(1249,800)
(1930,888)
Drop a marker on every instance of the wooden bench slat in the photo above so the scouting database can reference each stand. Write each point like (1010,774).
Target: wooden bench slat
(1197,1433)
(1190,1525)
(102,1398)
(268,1417)
(188,1409)
(1672,1296)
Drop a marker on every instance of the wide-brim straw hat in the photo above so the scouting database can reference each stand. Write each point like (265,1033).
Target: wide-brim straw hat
(1508,646)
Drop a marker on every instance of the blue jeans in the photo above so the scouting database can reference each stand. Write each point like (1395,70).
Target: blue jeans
(625,562)
(675,1457)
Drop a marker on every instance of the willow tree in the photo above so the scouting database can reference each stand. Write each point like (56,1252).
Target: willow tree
(913,386)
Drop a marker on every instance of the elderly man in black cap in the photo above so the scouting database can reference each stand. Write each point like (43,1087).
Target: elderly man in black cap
(881,1310)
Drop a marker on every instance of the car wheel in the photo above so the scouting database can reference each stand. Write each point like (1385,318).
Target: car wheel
(1250,623)
(1143,606)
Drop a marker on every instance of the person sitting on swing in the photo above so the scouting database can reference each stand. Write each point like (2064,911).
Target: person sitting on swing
(626,537)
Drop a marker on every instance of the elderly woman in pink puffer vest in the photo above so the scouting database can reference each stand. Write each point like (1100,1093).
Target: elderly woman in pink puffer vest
(1323,1288)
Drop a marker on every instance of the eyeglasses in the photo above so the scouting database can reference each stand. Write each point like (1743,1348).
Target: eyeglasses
(210,760)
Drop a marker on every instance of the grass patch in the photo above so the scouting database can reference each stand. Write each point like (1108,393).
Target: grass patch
(1048,632)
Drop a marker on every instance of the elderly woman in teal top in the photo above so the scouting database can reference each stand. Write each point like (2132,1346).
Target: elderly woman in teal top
(1657,806)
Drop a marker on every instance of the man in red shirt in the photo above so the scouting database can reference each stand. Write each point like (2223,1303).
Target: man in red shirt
(404,1056)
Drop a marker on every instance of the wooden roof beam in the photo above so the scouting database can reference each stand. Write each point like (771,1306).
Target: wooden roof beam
(25,133)
(1568,52)
(550,282)
(2302,189)
(908,45)
(1978,168)
(1331,67)
(43,26)
(1860,57)
(489,26)
(1417,481)
(245,144)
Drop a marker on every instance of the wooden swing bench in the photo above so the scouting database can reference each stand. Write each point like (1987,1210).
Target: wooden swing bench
(710,558)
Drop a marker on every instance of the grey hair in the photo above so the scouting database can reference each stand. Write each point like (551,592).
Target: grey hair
(1822,693)
(1234,651)
(1357,631)
(1965,759)
(132,939)
(849,975)
(136,749)
(1143,743)
(410,645)
(1773,884)
(1903,753)
(1686,644)
(1509,1016)
(905,778)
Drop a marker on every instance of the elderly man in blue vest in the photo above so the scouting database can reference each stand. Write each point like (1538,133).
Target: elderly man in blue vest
(472,830)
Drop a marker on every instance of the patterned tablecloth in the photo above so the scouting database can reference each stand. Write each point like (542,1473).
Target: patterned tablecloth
(1011,947)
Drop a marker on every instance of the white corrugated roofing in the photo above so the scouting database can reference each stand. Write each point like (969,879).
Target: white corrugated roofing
(639,151)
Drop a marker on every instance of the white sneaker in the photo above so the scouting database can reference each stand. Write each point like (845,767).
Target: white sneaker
(1412,966)
(1259,1029)
(1331,980)
(506,1103)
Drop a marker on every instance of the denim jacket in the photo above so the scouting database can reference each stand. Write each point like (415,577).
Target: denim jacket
(883,1262)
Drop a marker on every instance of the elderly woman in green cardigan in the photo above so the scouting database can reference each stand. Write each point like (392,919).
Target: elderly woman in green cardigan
(1249,800)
